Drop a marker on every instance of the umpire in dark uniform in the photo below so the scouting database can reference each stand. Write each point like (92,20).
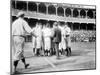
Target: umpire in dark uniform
(57,38)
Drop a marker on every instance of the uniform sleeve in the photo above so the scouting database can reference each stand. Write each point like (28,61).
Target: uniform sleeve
(13,28)
(43,32)
(26,27)
(33,29)
(53,32)
(69,31)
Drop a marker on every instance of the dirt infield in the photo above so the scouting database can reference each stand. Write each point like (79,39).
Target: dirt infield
(83,57)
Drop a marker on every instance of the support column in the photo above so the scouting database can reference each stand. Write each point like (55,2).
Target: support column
(47,8)
(94,14)
(71,12)
(64,12)
(86,26)
(56,11)
(94,27)
(37,7)
(86,13)
(27,6)
(79,13)
(72,25)
(15,4)
(79,26)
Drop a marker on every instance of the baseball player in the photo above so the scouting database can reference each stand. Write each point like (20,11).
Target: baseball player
(34,39)
(38,38)
(47,39)
(43,43)
(19,28)
(66,39)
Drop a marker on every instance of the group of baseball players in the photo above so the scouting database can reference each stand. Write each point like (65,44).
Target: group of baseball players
(46,40)
(43,41)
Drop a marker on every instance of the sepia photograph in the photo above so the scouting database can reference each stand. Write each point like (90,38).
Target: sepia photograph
(52,37)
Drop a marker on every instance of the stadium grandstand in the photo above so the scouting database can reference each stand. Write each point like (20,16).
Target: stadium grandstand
(80,18)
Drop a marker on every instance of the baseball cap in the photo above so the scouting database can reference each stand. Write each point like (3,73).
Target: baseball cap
(55,24)
(20,14)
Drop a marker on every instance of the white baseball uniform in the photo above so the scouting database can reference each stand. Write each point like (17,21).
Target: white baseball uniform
(65,37)
(38,37)
(19,29)
(47,38)
(34,38)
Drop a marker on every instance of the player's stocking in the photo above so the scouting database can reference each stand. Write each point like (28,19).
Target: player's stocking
(15,64)
(26,65)
(33,50)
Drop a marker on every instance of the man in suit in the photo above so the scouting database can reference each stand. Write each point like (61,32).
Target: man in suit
(57,38)
(61,26)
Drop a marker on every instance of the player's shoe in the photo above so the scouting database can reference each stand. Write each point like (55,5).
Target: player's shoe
(26,66)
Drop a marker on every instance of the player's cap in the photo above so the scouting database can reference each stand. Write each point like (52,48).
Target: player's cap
(20,14)
(58,22)
(55,24)
(48,24)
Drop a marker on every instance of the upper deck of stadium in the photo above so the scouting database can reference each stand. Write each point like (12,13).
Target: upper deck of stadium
(55,11)
(79,17)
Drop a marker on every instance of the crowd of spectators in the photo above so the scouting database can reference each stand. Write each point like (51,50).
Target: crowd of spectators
(83,36)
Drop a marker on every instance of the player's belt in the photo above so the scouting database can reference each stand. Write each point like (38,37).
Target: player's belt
(19,35)
(67,35)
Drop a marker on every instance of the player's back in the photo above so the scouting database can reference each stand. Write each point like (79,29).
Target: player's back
(17,27)
(47,32)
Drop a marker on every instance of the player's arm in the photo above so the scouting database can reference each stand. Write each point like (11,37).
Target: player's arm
(69,31)
(53,32)
(28,28)
(13,28)
(33,32)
